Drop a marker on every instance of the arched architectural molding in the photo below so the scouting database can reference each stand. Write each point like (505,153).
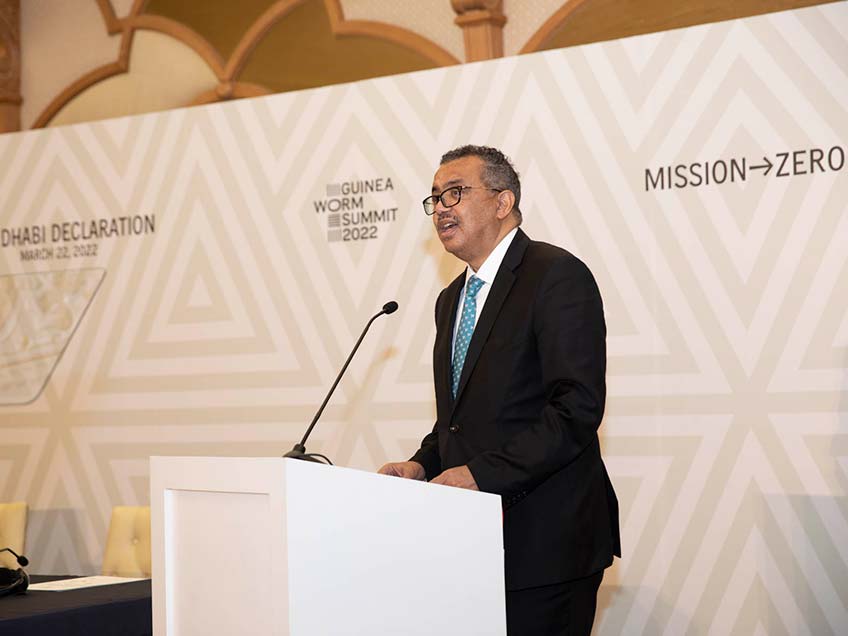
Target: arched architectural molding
(127,27)
(257,31)
(229,90)
(227,71)
(582,21)
(339,26)
(388,32)
(187,36)
(550,26)
(164,73)
(113,24)
(86,81)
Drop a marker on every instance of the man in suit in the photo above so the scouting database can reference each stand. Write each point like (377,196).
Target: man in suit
(519,367)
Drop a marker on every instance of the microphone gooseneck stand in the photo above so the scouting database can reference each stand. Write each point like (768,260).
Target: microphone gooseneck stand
(22,560)
(299,449)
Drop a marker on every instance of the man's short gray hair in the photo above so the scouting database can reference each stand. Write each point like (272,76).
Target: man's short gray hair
(498,171)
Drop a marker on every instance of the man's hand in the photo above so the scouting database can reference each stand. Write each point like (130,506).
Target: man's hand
(459,477)
(407,470)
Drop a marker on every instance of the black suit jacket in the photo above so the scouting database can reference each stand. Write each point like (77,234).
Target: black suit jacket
(526,415)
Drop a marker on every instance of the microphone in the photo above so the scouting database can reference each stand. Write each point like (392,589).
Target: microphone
(389,308)
(299,450)
(22,560)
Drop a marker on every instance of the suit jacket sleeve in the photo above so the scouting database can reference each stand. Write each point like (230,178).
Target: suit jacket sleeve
(570,340)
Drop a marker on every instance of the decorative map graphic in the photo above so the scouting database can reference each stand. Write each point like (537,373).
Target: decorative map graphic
(39,313)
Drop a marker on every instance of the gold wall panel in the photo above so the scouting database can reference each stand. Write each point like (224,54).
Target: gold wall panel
(301,51)
(585,21)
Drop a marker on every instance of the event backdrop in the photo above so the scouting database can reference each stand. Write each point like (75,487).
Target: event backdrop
(188,283)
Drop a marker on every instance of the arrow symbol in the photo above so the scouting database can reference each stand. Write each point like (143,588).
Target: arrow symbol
(767,166)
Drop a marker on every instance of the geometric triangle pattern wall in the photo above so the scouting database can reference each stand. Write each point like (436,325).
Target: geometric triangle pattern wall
(189,282)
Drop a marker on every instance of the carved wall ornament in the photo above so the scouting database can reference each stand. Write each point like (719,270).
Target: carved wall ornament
(227,71)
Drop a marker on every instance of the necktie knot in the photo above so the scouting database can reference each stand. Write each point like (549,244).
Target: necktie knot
(474,285)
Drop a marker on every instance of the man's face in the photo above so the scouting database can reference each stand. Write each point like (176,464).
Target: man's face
(468,230)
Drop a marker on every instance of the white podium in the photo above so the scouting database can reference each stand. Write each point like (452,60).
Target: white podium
(286,547)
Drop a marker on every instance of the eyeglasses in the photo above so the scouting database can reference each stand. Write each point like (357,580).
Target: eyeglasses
(449,198)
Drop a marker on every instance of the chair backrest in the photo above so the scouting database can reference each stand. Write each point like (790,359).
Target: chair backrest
(127,550)
(13,519)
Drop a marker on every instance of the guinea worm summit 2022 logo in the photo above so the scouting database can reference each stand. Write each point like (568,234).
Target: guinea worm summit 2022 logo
(358,209)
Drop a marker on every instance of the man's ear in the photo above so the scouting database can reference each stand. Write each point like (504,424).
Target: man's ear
(506,203)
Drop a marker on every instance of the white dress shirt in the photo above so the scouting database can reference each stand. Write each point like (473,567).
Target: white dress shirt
(488,271)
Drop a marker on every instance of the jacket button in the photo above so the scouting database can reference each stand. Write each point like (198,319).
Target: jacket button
(453,428)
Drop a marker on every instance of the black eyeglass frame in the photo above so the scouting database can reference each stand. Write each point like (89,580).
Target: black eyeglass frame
(433,198)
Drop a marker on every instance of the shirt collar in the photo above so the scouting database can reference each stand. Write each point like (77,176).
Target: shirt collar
(489,269)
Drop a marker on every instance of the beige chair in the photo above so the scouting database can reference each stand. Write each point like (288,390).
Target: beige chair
(13,519)
(128,544)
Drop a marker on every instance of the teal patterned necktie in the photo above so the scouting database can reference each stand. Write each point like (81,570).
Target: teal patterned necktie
(466,328)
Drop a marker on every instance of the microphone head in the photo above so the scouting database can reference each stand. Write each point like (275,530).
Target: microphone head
(23,561)
(390,307)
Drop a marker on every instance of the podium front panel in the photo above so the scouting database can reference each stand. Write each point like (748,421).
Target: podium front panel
(290,548)
(218,546)
(371,554)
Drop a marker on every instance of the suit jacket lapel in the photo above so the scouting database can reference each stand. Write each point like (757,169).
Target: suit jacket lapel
(503,282)
(444,345)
